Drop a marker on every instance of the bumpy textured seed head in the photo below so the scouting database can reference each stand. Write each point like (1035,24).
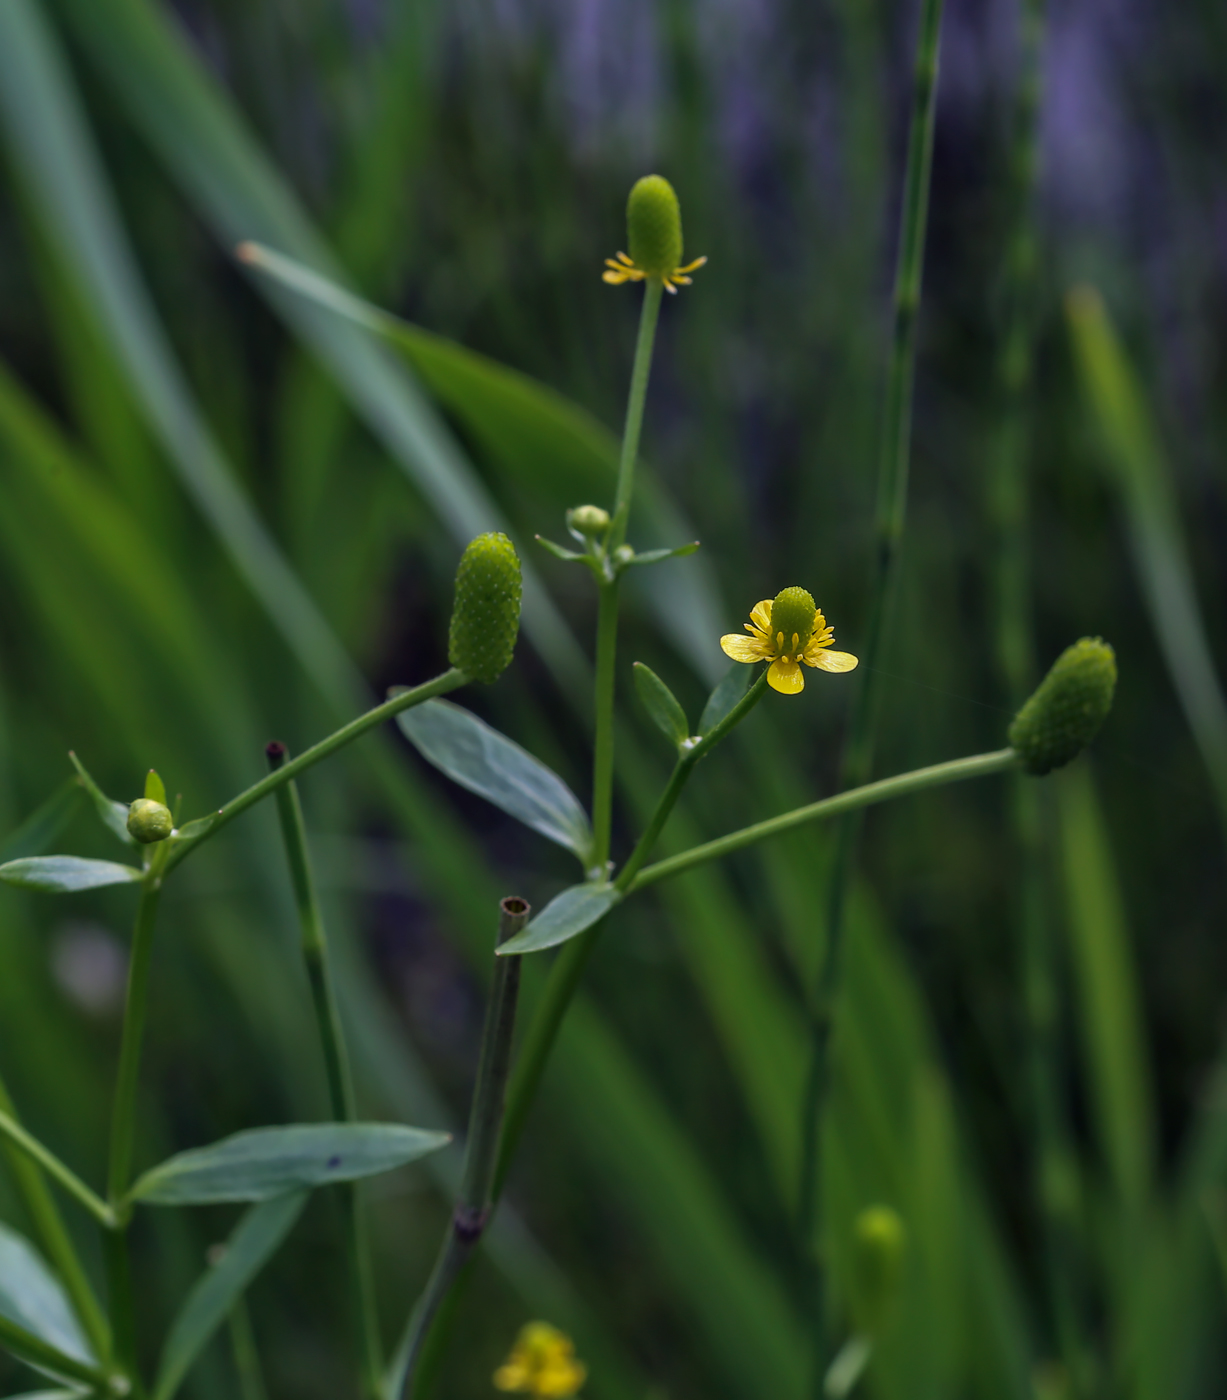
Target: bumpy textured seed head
(486,613)
(654,226)
(1065,713)
(793,613)
(879,1242)
(149,821)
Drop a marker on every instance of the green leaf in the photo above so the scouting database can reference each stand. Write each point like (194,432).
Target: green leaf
(65,874)
(44,824)
(258,1234)
(661,704)
(658,556)
(567,555)
(155,788)
(567,914)
(50,1395)
(725,697)
(486,762)
(264,1162)
(31,1296)
(113,815)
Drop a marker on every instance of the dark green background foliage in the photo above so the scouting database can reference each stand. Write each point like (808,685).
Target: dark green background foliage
(227,516)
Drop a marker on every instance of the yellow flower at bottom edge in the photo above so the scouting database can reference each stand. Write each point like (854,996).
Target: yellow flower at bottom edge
(787,631)
(542,1364)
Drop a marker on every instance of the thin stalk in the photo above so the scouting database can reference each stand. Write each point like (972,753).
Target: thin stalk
(246,1354)
(607,608)
(40,1353)
(681,774)
(196,832)
(45,1216)
(336,1062)
(51,1164)
(894,465)
(477,1189)
(938,775)
(123,1118)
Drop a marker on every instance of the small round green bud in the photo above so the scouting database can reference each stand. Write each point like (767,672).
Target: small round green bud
(879,1242)
(1070,704)
(588,521)
(793,613)
(486,613)
(654,226)
(623,555)
(149,821)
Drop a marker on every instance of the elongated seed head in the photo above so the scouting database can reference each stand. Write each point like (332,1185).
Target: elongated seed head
(792,613)
(486,613)
(654,226)
(1070,704)
(879,1243)
(149,821)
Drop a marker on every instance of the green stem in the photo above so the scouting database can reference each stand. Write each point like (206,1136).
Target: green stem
(246,1354)
(123,1117)
(957,770)
(42,1354)
(51,1164)
(336,1062)
(45,1216)
(678,779)
(477,1189)
(603,746)
(196,832)
(652,291)
(893,474)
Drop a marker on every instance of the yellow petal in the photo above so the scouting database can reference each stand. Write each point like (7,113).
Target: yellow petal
(512,1376)
(743,648)
(561,1379)
(786,677)
(825,660)
(760,615)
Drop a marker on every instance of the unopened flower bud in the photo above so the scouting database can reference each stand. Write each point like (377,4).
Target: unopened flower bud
(486,612)
(1068,707)
(588,521)
(879,1242)
(149,821)
(654,226)
(623,555)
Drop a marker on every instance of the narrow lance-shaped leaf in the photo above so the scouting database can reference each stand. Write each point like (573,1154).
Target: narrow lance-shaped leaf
(661,704)
(264,1162)
(31,1296)
(67,874)
(258,1234)
(566,915)
(113,815)
(486,762)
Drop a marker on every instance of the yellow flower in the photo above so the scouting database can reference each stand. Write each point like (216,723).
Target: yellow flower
(786,632)
(542,1363)
(654,233)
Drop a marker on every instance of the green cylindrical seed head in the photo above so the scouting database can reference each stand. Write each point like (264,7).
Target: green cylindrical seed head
(879,1242)
(793,613)
(149,821)
(654,226)
(486,613)
(588,521)
(1070,704)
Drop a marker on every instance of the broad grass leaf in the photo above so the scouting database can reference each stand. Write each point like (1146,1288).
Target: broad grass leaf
(486,762)
(66,874)
(566,915)
(264,1162)
(258,1235)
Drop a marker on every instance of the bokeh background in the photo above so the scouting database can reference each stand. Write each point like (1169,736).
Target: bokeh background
(228,515)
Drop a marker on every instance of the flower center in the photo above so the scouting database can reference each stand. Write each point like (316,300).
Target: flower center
(792,620)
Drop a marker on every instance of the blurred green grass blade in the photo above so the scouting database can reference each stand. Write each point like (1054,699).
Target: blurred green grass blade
(180,110)
(1143,477)
(55,153)
(1108,1004)
(536,435)
(744,1314)
(44,824)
